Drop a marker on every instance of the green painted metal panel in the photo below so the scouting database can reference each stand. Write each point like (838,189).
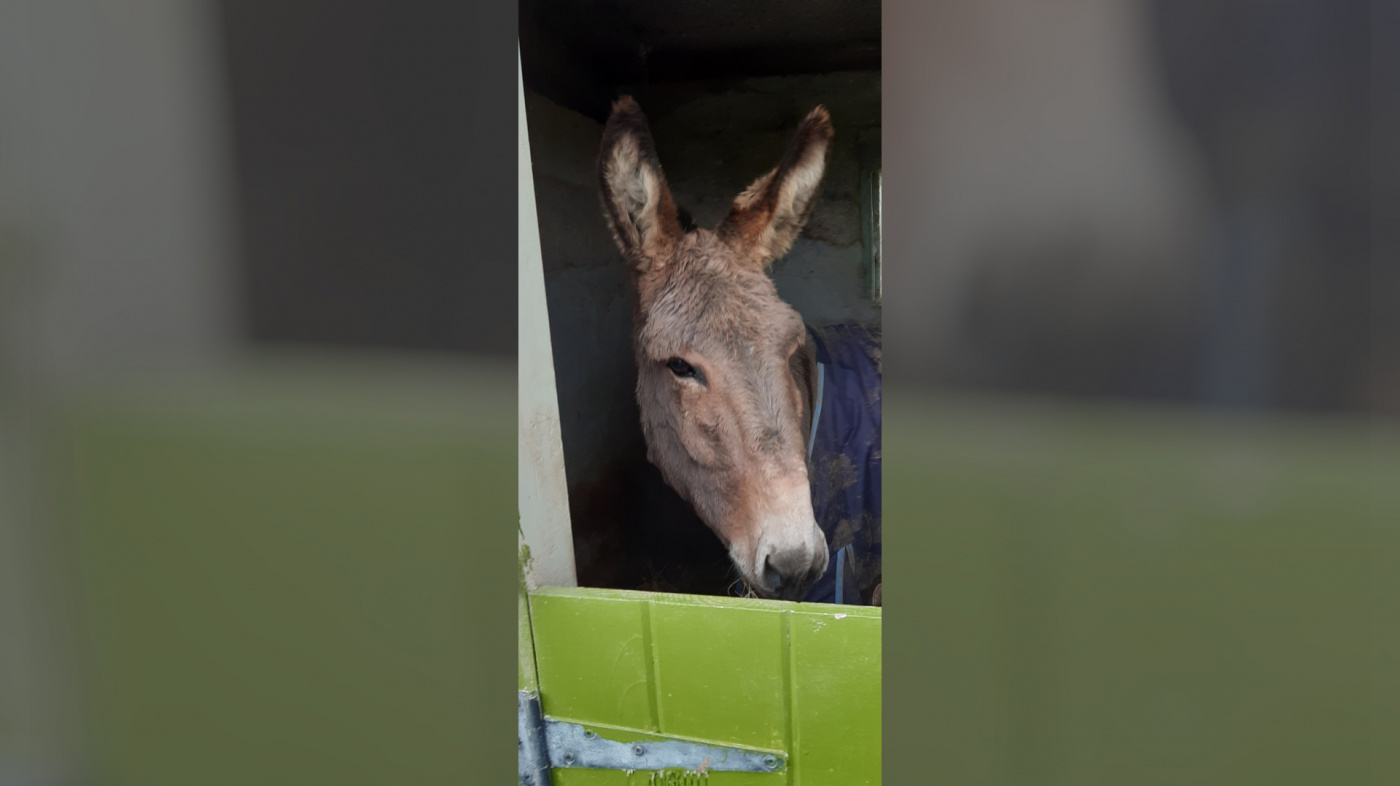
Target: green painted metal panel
(835,669)
(593,660)
(801,679)
(720,672)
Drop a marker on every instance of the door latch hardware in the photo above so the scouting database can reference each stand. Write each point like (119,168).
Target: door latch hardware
(546,744)
(534,753)
(571,745)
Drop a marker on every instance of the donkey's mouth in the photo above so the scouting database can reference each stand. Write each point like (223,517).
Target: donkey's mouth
(788,590)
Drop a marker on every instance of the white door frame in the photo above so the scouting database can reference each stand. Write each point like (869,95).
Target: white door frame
(543,488)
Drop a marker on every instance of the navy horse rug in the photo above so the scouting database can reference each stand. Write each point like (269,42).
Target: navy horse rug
(843,452)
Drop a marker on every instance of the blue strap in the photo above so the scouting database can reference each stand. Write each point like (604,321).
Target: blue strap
(811,442)
(841,574)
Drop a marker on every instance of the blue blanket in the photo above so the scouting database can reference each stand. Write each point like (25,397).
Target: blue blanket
(844,460)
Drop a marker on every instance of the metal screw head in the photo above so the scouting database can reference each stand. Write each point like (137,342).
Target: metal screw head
(638,750)
(569,758)
(770,762)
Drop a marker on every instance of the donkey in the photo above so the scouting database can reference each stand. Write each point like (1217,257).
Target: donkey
(728,375)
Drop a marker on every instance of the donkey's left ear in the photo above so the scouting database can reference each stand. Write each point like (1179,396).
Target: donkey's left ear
(765,220)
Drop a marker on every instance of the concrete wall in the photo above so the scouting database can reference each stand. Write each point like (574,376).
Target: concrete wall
(713,139)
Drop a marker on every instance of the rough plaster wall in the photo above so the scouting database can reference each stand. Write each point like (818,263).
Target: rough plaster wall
(589,307)
(590,327)
(712,145)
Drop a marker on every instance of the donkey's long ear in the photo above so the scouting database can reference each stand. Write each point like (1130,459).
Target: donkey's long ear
(636,200)
(765,220)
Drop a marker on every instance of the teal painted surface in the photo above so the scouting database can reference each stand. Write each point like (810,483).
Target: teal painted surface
(797,678)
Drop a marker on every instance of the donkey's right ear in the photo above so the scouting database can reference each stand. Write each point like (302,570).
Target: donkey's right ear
(636,200)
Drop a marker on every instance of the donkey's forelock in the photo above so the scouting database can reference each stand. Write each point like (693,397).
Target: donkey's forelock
(705,303)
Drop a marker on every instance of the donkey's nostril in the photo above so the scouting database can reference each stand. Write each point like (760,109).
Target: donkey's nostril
(787,574)
(771,576)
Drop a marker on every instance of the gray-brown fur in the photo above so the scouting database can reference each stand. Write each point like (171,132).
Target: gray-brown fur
(732,438)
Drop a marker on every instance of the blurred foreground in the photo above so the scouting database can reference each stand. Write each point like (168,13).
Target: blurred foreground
(260,575)
(265,571)
(221,563)
(1104,593)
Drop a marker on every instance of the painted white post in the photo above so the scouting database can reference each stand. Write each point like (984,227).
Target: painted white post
(544,491)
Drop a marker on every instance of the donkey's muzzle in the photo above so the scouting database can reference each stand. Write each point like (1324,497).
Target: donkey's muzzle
(788,570)
(786,552)
(788,575)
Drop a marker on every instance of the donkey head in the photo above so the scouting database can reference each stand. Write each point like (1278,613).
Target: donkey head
(719,371)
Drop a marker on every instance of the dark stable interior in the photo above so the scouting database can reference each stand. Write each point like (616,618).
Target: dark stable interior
(631,531)
(578,53)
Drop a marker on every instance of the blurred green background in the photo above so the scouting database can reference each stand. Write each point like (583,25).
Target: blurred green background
(226,560)
(272,575)
(1096,593)
(282,575)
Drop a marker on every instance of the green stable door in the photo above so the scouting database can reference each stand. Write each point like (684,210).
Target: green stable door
(724,690)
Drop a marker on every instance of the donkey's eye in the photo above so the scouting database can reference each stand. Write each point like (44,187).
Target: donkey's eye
(681,368)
